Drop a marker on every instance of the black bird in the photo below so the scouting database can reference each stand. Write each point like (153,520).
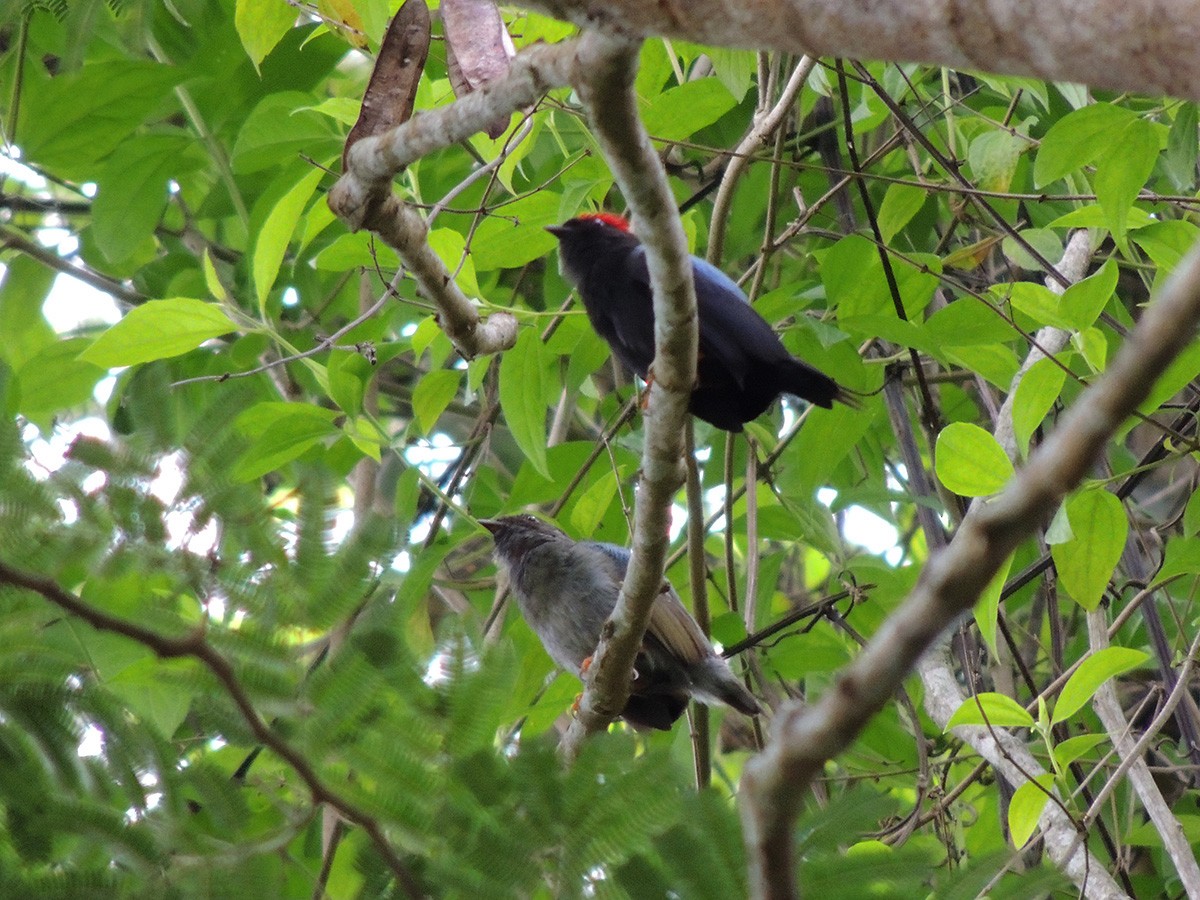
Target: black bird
(742,367)
(567,589)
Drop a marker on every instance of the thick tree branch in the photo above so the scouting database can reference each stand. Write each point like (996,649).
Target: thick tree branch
(194,645)
(607,64)
(803,738)
(363,197)
(1144,45)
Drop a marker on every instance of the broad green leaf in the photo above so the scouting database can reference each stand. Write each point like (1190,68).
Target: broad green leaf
(970,462)
(1077,139)
(22,295)
(433,394)
(803,654)
(275,133)
(260,25)
(989,708)
(1092,216)
(523,377)
(1093,672)
(1148,835)
(1182,556)
(56,379)
(1036,394)
(1183,144)
(132,189)
(1086,562)
(83,116)
(158,329)
(1093,347)
(284,431)
(1083,301)
(680,112)
(348,374)
(987,607)
(965,322)
(1123,171)
(149,691)
(593,503)
(519,236)
(1037,301)
(1071,749)
(276,233)
(900,204)
(734,68)
(1046,243)
(993,159)
(364,435)
(1191,518)
(1025,808)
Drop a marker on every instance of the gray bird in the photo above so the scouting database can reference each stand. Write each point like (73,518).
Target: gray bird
(567,589)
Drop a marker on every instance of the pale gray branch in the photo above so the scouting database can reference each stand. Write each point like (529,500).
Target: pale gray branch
(1133,758)
(607,64)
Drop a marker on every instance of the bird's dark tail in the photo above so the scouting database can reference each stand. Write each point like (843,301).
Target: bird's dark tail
(807,383)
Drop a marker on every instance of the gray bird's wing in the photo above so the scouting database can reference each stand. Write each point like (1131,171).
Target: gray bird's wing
(670,622)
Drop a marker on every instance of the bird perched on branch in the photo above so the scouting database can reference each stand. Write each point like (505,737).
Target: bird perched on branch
(567,589)
(742,367)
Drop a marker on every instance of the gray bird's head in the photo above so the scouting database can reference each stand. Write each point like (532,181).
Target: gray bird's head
(517,535)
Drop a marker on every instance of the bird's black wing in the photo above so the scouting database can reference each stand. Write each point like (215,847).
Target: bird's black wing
(733,336)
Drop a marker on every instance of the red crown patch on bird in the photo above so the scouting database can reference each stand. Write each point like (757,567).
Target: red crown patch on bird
(616,221)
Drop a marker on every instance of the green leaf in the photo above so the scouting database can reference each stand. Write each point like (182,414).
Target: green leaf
(433,394)
(56,379)
(1086,562)
(275,133)
(132,190)
(970,462)
(1082,302)
(450,246)
(734,68)
(680,112)
(284,431)
(1071,749)
(989,708)
(1037,301)
(1078,139)
(158,329)
(84,116)
(276,233)
(260,25)
(987,607)
(1035,396)
(1123,171)
(22,295)
(993,159)
(1025,808)
(593,503)
(523,378)
(1183,144)
(900,204)
(1093,672)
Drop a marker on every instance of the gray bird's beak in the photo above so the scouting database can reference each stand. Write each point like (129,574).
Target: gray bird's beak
(490,524)
(557,230)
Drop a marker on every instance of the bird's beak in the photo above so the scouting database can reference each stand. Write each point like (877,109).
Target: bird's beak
(557,230)
(490,524)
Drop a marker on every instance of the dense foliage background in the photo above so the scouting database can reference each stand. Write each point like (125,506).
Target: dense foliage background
(271,517)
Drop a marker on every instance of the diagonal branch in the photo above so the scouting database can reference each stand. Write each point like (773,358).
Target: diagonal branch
(363,196)
(607,64)
(195,647)
(803,738)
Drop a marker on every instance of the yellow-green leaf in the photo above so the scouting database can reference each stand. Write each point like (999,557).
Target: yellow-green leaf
(158,329)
